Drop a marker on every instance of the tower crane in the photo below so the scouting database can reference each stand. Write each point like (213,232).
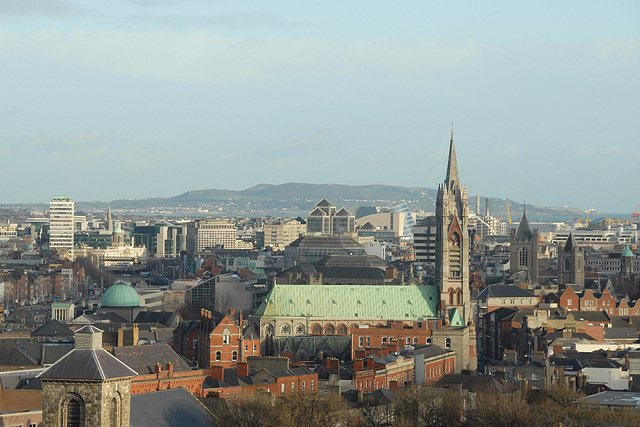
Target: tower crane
(508,212)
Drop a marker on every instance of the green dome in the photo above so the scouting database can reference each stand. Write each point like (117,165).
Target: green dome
(627,252)
(121,295)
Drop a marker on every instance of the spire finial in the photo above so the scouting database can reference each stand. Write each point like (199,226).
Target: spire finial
(452,130)
(524,206)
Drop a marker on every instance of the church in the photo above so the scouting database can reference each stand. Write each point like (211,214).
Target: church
(310,321)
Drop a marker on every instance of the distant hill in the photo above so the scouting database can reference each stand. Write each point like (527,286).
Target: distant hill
(292,199)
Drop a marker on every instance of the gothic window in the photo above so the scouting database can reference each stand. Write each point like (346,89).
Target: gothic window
(285,329)
(234,355)
(567,265)
(523,256)
(300,329)
(317,329)
(458,296)
(447,343)
(361,341)
(269,329)
(329,329)
(226,336)
(450,296)
(342,329)
(218,355)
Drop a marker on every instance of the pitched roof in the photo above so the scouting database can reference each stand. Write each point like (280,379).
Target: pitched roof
(52,328)
(87,364)
(571,243)
(143,358)
(524,231)
(167,318)
(351,301)
(169,408)
(504,291)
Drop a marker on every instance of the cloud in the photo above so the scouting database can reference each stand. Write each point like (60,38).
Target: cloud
(204,58)
(584,150)
(612,149)
(39,7)
(608,47)
(507,151)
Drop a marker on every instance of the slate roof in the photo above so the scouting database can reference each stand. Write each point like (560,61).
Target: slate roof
(351,301)
(353,261)
(504,291)
(11,356)
(143,358)
(430,351)
(53,328)
(620,333)
(87,364)
(166,318)
(170,408)
(524,231)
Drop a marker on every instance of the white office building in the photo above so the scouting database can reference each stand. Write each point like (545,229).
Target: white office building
(61,225)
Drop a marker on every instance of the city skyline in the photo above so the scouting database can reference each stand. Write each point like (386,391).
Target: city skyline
(136,99)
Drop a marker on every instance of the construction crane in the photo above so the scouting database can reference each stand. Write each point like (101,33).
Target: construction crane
(635,216)
(508,212)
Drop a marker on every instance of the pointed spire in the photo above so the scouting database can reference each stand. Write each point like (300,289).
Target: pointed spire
(452,167)
(109,221)
(571,242)
(524,231)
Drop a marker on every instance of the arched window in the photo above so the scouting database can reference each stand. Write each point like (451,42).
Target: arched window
(523,256)
(234,355)
(285,329)
(450,296)
(447,343)
(226,336)
(317,329)
(73,412)
(114,413)
(329,329)
(342,329)
(458,298)
(300,329)
(567,264)
(218,355)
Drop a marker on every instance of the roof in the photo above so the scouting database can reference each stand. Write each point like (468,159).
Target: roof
(353,261)
(171,408)
(52,328)
(121,295)
(143,358)
(10,355)
(87,364)
(351,301)
(571,243)
(167,318)
(627,252)
(612,398)
(504,291)
(326,242)
(524,231)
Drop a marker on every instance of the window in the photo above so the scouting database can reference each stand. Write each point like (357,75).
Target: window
(360,341)
(234,355)
(523,257)
(255,348)
(342,329)
(415,340)
(218,355)
(282,388)
(285,329)
(429,340)
(74,412)
(368,341)
(246,347)
(384,340)
(293,387)
(300,329)
(226,336)
(304,385)
(447,343)
(329,329)
(317,329)
(114,416)
(313,384)
(535,376)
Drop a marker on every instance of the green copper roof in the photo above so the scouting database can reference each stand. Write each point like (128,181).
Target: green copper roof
(456,318)
(351,301)
(121,295)
(627,252)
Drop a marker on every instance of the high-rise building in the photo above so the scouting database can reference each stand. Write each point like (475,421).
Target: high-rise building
(279,234)
(210,233)
(61,225)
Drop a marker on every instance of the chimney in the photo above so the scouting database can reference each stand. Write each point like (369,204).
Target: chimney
(232,312)
(557,349)
(370,363)
(538,357)
(243,369)
(241,321)
(217,372)
(157,368)
(169,367)
(393,385)
(358,364)
(510,356)
(333,365)
(360,353)
(384,351)
(393,345)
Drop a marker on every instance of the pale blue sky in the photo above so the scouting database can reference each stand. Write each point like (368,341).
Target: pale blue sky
(130,99)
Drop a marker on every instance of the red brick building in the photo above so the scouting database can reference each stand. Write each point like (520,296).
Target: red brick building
(222,342)
(413,333)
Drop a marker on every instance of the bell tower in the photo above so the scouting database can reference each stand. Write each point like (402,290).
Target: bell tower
(452,242)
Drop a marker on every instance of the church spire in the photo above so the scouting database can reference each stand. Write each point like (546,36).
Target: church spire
(109,220)
(452,167)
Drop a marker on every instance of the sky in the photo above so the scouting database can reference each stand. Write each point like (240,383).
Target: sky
(113,99)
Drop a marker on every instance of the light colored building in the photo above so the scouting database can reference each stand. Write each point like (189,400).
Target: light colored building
(324,219)
(61,225)
(8,231)
(212,233)
(279,234)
